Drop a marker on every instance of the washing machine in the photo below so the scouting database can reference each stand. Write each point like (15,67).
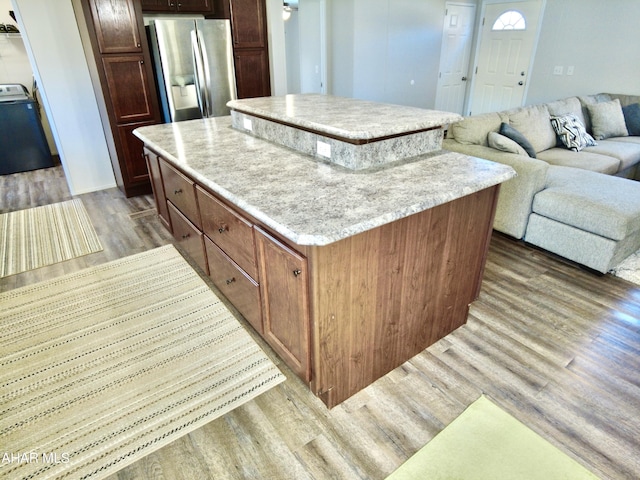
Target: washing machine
(23,145)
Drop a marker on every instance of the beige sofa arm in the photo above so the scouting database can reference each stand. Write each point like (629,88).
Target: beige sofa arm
(516,195)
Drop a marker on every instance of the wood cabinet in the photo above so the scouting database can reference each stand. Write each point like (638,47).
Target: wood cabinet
(128,84)
(121,52)
(285,285)
(116,26)
(153,166)
(250,47)
(116,32)
(341,315)
(179,6)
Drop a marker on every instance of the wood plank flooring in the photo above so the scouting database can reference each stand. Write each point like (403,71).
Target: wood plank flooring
(556,346)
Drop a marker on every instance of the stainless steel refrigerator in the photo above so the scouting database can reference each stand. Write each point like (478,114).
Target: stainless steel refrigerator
(193,61)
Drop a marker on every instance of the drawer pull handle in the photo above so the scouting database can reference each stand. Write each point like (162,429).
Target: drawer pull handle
(185,236)
(297,272)
(178,191)
(222,229)
(231,280)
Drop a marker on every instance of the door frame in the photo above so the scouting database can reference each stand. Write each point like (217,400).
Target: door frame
(478,42)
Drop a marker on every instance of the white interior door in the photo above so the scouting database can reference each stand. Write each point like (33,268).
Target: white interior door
(457,37)
(508,37)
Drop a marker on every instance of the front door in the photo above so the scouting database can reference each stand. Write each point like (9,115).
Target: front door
(507,41)
(457,37)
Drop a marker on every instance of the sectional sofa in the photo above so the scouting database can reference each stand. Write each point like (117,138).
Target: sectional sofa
(578,162)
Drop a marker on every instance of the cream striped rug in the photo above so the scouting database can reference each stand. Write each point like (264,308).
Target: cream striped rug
(41,236)
(102,367)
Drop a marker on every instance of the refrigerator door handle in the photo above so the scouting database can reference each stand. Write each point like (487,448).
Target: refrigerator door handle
(199,75)
(206,75)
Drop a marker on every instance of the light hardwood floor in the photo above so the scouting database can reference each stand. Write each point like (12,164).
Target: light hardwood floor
(556,346)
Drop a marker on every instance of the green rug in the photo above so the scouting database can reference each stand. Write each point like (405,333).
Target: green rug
(485,442)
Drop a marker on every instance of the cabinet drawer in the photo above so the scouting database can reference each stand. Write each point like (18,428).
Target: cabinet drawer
(230,231)
(181,191)
(188,237)
(241,290)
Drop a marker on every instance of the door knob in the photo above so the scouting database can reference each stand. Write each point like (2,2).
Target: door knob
(520,83)
(464,79)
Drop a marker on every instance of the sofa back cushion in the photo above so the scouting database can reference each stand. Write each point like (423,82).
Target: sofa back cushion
(607,120)
(566,106)
(474,130)
(534,123)
(590,100)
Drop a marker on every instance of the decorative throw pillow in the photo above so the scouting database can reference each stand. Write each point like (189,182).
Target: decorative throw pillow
(510,132)
(607,120)
(504,144)
(572,132)
(632,118)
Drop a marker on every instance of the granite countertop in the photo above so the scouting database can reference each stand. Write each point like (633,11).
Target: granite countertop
(305,200)
(346,118)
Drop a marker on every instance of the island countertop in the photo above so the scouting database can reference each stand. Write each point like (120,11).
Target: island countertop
(350,119)
(304,199)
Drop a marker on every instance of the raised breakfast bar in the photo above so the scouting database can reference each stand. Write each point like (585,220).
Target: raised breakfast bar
(338,228)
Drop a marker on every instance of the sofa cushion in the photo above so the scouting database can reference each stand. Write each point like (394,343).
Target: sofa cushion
(602,204)
(515,135)
(474,130)
(590,100)
(632,118)
(565,106)
(584,160)
(627,152)
(607,120)
(571,132)
(504,144)
(533,122)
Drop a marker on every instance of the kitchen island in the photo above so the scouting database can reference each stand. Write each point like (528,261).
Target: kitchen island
(346,272)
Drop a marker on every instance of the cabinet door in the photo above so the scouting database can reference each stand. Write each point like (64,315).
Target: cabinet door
(153,164)
(116,26)
(129,88)
(248,20)
(194,6)
(133,165)
(284,287)
(158,6)
(252,73)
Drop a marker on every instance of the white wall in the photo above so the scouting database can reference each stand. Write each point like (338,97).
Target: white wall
(52,41)
(276,39)
(386,50)
(600,39)
(14,63)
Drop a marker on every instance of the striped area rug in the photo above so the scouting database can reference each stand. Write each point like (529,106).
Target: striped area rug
(103,366)
(41,236)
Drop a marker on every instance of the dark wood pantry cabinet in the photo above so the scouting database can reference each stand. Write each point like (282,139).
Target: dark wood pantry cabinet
(250,47)
(123,64)
(119,46)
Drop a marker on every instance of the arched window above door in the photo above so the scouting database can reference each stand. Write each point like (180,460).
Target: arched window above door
(510,20)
